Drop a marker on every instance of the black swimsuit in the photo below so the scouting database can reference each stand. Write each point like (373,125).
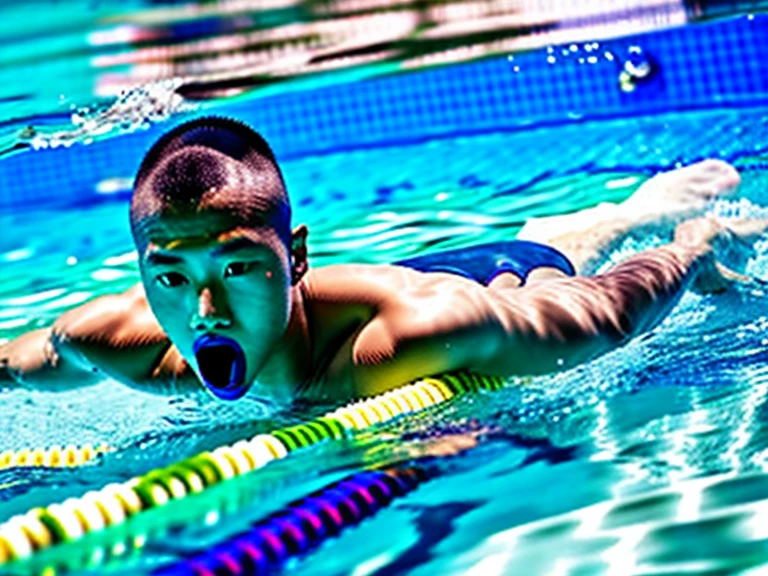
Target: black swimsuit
(484,262)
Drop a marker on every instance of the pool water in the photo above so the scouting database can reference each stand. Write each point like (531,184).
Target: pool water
(652,458)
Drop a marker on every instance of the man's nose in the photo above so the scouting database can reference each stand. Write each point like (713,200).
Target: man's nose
(209,314)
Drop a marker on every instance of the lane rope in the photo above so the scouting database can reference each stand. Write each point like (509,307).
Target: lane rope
(301,525)
(25,535)
(68,456)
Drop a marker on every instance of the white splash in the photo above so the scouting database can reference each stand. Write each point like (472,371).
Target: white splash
(133,110)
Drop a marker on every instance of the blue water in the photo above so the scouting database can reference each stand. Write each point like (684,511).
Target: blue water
(650,459)
(636,434)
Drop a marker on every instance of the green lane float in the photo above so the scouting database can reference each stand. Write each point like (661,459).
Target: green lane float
(23,536)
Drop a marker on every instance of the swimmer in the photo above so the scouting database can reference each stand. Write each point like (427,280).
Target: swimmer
(227,301)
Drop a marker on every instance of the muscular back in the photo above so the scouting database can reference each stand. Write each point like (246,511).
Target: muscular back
(411,324)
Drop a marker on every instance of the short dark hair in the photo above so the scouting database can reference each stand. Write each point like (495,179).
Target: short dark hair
(211,162)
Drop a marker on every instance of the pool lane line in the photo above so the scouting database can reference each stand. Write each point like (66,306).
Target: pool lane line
(69,456)
(25,535)
(301,525)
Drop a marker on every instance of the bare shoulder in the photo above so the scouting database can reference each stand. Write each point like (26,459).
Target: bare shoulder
(119,335)
(406,307)
(414,324)
(121,320)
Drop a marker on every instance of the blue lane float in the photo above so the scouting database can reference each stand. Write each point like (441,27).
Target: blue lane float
(106,525)
(300,526)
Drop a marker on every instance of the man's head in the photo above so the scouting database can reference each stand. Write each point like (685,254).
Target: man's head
(211,220)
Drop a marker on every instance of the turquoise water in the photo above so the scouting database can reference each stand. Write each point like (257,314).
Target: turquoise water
(650,459)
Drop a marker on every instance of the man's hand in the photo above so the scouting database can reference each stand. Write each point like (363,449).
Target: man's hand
(31,361)
(26,357)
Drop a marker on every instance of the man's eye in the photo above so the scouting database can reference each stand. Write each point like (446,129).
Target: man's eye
(171,279)
(238,268)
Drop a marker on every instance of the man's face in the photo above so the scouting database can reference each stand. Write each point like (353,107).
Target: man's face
(221,292)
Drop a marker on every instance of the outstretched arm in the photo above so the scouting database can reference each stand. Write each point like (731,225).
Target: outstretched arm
(115,336)
(560,323)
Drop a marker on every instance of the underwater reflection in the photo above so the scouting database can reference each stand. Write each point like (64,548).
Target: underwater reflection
(678,483)
(690,527)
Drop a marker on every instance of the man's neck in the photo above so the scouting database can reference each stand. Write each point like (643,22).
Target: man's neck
(290,363)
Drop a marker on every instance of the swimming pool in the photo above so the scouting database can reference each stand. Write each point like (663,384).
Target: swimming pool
(651,458)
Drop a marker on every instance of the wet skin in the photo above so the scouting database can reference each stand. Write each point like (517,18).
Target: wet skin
(347,331)
(352,330)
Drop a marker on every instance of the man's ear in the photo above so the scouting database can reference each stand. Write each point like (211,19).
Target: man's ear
(299,264)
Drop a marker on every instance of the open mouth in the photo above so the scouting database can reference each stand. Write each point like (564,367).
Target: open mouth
(221,363)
